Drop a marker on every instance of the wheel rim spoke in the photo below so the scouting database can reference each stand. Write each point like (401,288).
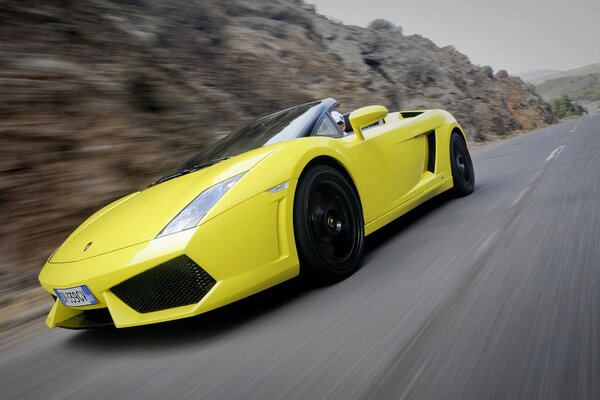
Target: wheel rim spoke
(331,221)
(463,166)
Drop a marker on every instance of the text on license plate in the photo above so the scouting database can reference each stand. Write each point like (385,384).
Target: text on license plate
(76,296)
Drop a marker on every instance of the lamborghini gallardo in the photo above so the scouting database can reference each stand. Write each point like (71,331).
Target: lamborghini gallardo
(289,194)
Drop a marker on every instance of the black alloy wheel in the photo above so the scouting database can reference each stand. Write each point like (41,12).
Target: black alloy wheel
(461,165)
(328,225)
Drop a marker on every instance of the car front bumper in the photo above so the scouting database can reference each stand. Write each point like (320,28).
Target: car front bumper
(245,250)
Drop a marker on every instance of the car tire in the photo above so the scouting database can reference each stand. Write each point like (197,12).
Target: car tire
(328,225)
(462,166)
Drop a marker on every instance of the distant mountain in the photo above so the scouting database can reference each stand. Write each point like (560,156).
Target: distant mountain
(581,85)
(582,71)
(535,74)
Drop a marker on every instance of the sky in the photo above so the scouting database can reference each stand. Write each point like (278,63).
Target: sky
(515,35)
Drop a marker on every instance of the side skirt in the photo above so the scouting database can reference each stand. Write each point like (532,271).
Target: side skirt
(385,219)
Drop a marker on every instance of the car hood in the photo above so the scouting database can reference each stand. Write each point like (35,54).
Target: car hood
(140,216)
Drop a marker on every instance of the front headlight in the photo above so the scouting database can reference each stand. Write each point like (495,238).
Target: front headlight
(191,215)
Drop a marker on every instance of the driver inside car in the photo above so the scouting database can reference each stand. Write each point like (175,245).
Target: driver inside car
(338,118)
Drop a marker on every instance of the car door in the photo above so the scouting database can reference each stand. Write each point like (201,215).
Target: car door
(392,161)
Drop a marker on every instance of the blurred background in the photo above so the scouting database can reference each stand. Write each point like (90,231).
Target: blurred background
(99,98)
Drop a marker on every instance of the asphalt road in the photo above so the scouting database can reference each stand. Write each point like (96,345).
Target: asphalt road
(492,296)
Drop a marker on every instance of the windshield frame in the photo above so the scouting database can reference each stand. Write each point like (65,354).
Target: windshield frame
(225,147)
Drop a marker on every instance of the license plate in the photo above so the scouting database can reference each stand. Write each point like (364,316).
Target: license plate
(76,296)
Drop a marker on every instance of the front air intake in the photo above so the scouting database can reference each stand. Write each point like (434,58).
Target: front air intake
(175,283)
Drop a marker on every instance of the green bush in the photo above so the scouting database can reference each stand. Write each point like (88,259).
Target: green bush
(564,107)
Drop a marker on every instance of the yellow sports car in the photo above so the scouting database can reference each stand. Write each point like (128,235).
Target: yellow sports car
(292,193)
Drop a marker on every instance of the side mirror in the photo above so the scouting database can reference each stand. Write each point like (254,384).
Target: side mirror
(366,116)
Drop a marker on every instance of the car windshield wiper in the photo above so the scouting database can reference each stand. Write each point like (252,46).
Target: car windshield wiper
(193,168)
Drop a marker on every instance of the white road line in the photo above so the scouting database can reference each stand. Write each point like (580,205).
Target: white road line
(535,177)
(520,197)
(554,153)
(488,241)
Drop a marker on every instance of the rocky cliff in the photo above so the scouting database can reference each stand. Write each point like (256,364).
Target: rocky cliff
(100,97)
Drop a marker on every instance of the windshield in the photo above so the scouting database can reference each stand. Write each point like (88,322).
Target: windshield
(284,125)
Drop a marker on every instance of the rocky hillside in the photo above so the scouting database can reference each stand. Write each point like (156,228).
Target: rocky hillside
(100,97)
